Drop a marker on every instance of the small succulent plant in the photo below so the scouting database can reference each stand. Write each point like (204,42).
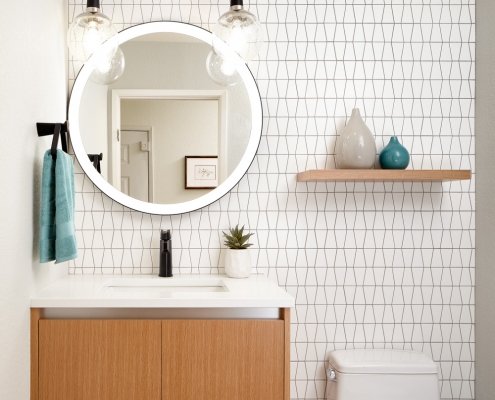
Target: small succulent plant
(236,238)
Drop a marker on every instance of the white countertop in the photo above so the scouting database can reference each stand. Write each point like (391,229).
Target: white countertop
(148,291)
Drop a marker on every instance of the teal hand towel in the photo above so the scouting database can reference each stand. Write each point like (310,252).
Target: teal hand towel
(65,235)
(47,213)
(57,239)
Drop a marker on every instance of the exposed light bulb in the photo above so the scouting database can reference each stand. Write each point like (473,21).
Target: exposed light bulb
(222,71)
(92,38)
(237,40)
(108,66)
(88,31)
(227,67)
(240,30)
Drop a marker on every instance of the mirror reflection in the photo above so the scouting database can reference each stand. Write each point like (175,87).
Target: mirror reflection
(167,132)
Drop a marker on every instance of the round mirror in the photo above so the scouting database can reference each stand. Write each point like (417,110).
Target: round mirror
(171,139)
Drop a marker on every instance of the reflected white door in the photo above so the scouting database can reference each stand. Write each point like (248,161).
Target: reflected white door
(134,164)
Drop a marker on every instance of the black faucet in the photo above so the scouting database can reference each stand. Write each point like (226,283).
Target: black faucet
(165,254)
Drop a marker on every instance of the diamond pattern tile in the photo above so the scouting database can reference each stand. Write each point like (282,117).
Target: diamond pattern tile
(371,265)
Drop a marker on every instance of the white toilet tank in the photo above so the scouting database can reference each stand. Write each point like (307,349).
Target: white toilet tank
(381,375)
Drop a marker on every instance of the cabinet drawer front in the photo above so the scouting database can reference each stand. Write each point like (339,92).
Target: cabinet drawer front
(99,360)
(223,359)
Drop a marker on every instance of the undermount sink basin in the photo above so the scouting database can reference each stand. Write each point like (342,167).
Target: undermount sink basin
(165,287)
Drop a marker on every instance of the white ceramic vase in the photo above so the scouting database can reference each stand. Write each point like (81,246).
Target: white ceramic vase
(356,147)
(237,263)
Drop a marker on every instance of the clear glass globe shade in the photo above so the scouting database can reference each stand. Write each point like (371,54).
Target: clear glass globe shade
(87,32)
(109,66)
(221,71)
(241,31)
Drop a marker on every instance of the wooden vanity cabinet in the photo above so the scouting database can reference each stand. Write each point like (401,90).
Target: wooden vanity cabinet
(223,360)
(160,359)
(99,359)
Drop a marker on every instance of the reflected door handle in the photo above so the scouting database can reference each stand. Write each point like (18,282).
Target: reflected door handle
(145,146)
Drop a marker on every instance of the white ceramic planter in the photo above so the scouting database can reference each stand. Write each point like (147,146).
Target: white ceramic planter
(237,263)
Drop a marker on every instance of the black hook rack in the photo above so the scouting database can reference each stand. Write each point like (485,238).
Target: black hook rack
(95,159)
(58,130)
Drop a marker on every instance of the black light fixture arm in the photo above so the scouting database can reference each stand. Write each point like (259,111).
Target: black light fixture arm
(93,4)
(236,4)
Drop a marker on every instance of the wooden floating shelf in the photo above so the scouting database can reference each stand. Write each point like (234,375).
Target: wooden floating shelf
(383,175)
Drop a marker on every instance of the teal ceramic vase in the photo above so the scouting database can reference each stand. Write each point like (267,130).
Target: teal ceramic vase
(394,155)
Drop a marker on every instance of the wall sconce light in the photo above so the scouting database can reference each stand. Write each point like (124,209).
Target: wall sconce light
(221,69)
(88,30)
(240,30)
(108,67)
(86,33)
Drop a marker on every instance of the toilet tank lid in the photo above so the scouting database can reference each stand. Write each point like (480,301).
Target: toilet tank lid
(381,361)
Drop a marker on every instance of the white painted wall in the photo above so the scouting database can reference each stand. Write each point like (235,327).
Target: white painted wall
(175,135)
(33,88)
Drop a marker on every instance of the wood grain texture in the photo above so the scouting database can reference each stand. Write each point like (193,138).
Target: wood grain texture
(223,359)
(35,317)
(383,175)
(99,360)
(286,319)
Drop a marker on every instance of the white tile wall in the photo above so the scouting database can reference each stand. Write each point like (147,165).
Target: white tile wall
(370,264)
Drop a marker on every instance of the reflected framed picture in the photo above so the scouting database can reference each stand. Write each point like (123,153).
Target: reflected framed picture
(201,172)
